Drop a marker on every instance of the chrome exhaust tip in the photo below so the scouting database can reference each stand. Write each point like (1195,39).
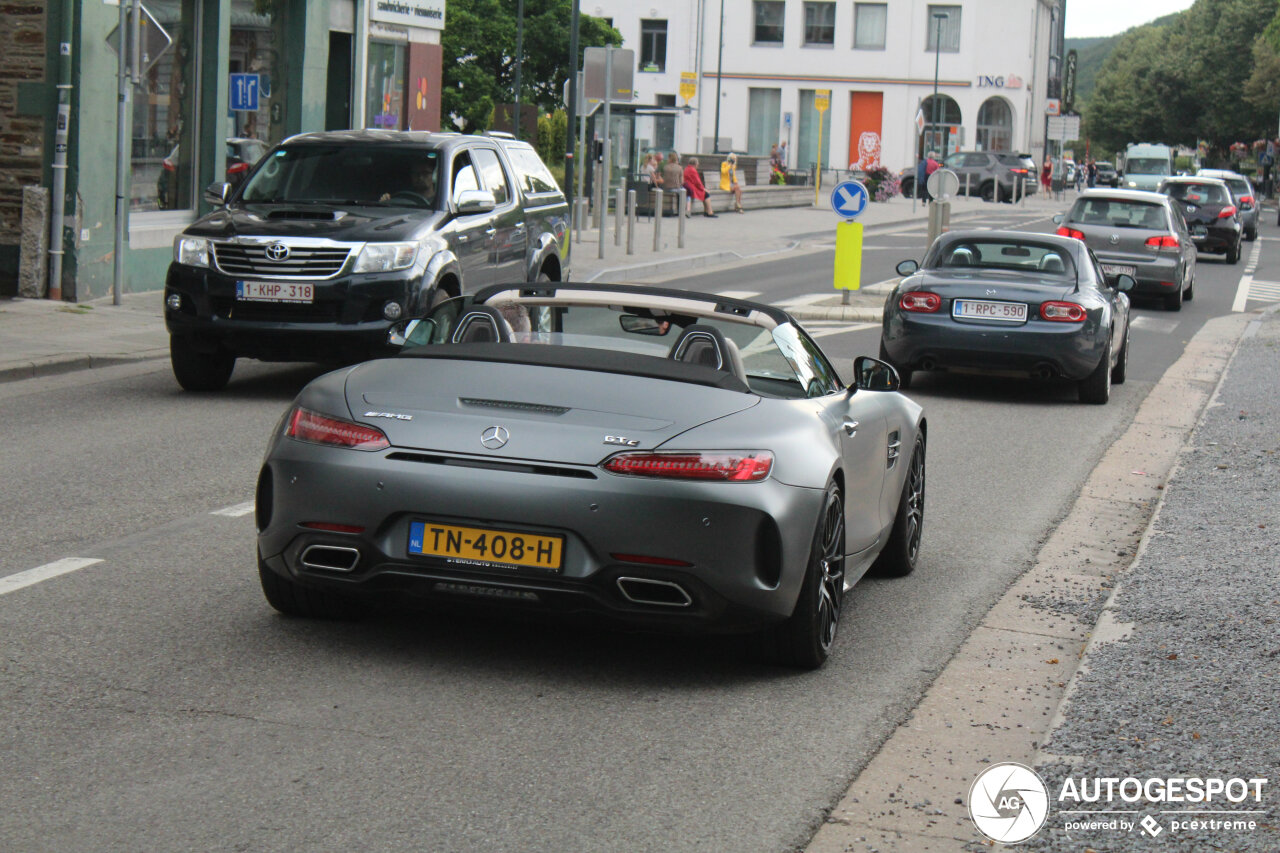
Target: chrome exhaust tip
(330,558)
(655,593)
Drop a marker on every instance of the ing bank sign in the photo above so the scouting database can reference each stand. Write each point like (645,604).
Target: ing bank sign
(1001,81)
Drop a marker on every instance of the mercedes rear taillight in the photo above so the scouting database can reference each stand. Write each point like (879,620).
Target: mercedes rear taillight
(726,466)
(313,427)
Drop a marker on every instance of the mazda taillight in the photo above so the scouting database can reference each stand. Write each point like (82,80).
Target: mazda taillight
(1163,241)
(920,302)
(306,425)
(1064,231)
(728,466)
(1229,210)
(1061,312)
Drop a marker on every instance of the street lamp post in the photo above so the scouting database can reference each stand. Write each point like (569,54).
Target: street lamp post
(938,17)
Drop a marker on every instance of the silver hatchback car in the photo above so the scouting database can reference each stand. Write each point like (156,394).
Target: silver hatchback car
(1139,234)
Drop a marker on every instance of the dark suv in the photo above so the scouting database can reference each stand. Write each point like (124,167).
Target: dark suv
(985,174)
(336,238)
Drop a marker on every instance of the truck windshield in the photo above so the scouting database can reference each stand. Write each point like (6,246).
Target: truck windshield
(346,174)
(1147,166)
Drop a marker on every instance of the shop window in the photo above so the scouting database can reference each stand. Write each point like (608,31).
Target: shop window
(944,36)
(162,153)
(769,21)
(653,45)
(764,111)
(254,49)
(385,97)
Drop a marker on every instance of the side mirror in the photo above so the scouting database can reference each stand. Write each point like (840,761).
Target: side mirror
(872,374)
(637,325)
(1125,283)
(907,267)
(216,194)
(476,201)
(1059,218)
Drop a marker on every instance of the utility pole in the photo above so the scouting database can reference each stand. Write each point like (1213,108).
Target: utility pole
(520,59)
(715,145)
(571,108)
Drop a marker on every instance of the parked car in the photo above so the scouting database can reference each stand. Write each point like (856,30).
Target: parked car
(1246,200)
(1139,234)
(242,155)
(984,174)
(1211,214)
(660,457)
(336,237)
(1106,176)
(1038,305)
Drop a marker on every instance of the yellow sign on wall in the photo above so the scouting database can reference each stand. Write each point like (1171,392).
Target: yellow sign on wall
(821,99)
(688,86)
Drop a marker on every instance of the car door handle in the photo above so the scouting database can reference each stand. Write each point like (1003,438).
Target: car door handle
(850,427)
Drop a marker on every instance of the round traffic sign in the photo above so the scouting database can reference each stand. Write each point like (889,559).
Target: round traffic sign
(943,184)
(849,199)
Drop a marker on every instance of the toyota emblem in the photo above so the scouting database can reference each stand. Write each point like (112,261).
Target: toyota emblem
(495,437)
(277,252)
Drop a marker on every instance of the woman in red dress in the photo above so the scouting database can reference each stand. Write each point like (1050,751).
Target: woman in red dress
(696,189)
(1046,175)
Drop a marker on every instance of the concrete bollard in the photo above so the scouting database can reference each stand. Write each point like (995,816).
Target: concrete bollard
(631,222)
(657,220)
(681,200)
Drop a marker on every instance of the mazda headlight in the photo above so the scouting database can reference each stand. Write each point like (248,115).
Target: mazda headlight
(385,257)
(192,251)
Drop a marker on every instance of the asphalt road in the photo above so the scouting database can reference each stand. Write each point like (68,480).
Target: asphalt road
(154,701)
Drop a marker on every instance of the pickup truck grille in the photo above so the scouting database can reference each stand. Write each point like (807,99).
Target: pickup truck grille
(251,260)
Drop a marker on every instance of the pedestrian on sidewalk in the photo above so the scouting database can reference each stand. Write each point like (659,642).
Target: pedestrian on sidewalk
(729,180)
(1046,175)
(672,179)
(696,189)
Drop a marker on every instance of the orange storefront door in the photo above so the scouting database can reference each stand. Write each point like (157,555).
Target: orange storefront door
(865,112)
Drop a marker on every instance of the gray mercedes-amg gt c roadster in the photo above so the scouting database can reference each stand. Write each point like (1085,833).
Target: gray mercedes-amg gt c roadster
(670,459)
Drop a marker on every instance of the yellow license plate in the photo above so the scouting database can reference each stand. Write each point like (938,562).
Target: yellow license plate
(485,546)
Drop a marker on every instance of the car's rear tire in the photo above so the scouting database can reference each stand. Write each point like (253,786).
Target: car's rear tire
(1121,370)
(1189,292)
(806,638)
(1233,254)
(1251,234)
(987,192)
(199,371)
(293,599)
(1173,301)
(904,373)
(1096,387)
(901,553)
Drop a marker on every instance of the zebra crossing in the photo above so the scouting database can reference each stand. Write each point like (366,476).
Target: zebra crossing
(815,328)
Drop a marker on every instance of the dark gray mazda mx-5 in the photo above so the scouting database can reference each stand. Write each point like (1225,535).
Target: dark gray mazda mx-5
(667,458)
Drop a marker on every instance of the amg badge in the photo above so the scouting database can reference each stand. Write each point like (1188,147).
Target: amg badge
(393,415)
(618,439)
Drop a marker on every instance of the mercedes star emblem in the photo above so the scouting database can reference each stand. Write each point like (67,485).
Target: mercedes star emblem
(277,252)
(495,437)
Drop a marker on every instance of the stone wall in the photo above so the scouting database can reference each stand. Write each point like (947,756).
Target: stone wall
(23,24)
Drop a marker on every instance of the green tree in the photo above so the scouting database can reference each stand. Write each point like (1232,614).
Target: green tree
(479,48)
(1124,106)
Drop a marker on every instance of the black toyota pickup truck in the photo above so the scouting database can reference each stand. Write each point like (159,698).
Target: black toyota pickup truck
(336,238)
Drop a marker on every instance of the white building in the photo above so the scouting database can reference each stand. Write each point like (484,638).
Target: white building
(879,60)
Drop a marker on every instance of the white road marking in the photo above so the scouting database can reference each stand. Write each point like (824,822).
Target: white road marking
(738,294)
(1264,291)
(13,583)
(1144,322)
(803,299)
(1246,280)
(235,511)
(818,330)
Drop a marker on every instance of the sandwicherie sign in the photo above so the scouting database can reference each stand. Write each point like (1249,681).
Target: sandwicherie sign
(409,13)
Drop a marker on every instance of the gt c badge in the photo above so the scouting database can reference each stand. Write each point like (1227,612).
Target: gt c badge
(622,440)
(494,437)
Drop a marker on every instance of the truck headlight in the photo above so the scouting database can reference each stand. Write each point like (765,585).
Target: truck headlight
(385,257)
(192,251)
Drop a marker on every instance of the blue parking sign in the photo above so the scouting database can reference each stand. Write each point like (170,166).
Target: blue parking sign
(244,92)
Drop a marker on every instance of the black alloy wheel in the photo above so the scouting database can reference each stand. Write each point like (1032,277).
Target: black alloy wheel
(806,638)
(901,553)
(1121,370)
(1096,387)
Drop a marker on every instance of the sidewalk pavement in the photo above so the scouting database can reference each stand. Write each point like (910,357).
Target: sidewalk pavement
(39,337)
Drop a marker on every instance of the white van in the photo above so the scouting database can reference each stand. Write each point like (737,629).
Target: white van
(1146,164)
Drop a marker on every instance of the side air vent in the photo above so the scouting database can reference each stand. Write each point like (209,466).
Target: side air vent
(492,465)
(513,406)
(895,447)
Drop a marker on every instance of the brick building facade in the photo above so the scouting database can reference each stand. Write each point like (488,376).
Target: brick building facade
(23,127)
